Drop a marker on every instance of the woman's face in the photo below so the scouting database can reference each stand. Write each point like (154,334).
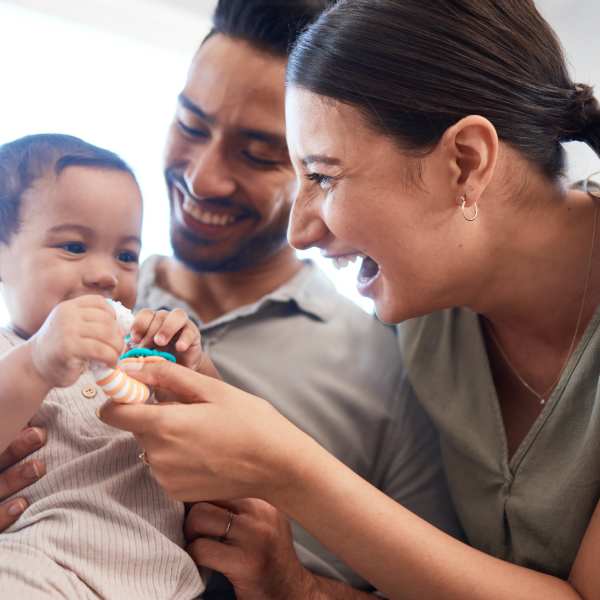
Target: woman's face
(359,194)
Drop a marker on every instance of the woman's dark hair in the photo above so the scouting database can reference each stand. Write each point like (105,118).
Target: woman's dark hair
(414,68)
(269,25)
(26,159)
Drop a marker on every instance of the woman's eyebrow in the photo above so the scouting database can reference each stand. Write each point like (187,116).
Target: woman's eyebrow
(321,158)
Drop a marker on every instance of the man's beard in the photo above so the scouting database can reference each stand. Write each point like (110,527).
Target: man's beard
(248,254)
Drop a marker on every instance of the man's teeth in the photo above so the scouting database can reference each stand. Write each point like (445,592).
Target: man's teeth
(206,217)
(340,262)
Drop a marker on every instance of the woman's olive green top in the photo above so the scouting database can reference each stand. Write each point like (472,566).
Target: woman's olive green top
(534,508)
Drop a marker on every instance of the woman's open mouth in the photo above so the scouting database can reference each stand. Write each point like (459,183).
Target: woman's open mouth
(368,273)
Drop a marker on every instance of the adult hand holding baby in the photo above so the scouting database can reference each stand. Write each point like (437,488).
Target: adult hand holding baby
(16,477)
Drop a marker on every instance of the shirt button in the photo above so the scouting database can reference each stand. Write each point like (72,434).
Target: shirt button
(89,391)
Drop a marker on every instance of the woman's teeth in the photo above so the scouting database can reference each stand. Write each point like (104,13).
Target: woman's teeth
(340,262)
(206,217)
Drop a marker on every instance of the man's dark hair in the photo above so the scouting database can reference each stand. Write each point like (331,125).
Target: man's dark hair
(26,159)
(269,25)
(415,68)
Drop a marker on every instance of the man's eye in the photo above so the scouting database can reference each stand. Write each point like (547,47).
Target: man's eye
(191,131)
(257,160)
(128,257)
(74,247)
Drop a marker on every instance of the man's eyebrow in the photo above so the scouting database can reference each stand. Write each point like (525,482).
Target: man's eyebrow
(320,158)
(187,103)
(273,139)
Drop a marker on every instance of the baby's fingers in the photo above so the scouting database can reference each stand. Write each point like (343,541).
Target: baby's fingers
(189,337)
(144,325)
(175,324)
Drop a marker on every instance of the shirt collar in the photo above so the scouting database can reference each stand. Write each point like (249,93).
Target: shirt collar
(309,291)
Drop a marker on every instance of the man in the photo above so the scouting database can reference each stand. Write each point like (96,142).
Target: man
(271,323)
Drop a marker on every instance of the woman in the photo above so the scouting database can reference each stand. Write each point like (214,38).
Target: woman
(427,139)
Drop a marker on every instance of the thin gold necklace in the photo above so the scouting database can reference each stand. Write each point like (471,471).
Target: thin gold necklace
(543,397)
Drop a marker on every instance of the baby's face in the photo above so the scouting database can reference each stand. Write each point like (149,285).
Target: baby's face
(80,234)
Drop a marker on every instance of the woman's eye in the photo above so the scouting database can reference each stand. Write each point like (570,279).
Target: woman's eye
(128,257)
(74,247)
(323,181)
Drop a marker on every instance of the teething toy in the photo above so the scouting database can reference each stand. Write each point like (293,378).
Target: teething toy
(115,383)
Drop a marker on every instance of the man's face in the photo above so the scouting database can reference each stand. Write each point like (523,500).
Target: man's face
(227,167)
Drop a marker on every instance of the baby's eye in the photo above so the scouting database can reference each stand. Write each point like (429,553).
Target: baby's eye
(74,247)
(127,256)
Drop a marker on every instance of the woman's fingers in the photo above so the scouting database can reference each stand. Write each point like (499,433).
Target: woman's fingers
(28,441)
(135,418)
(188,386)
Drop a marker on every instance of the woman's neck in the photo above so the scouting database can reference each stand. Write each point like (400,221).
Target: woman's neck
(542,268)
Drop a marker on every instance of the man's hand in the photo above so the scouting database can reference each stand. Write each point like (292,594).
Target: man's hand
(14,478)
(257,554)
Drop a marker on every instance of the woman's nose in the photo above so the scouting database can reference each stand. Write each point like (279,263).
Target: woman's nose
(306,228)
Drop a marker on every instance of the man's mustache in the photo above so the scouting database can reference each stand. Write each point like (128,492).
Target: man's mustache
(176,178)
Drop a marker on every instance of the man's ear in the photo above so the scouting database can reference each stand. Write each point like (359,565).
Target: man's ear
(471,147)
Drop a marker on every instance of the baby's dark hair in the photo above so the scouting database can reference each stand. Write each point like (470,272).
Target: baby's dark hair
(26,159)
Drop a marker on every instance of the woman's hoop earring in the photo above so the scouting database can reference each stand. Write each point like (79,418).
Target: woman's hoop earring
(592,187)
(463,206)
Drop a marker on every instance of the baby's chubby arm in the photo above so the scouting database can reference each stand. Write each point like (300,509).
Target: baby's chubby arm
(76,331)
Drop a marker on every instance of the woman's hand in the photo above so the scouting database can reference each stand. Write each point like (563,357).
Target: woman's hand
(218,443)
(14,478)
(256,554)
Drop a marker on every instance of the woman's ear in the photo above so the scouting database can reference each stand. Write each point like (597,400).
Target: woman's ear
(471,148)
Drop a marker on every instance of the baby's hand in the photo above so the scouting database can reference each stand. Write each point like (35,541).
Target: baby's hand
(75,332)
(171,331)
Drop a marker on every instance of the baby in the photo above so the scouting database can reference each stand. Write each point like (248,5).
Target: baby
(98,525)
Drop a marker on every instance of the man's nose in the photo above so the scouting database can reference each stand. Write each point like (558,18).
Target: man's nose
(209,173)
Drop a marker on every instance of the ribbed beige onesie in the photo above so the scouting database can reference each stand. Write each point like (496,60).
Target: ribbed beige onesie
(98,525)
